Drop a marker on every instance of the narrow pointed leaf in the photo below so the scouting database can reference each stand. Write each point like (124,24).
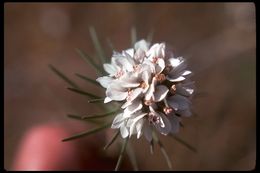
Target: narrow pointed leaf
(119,161)
(89,60)
(97,100)
(99,115)
(151,147)
(89,132)
(112,140)
(77,117)
(61,75)
(167,158)
(131,154)
(110,44)
(133,36)
(83,93)
(88,79)
(186,144)
(150,36)
(97,45)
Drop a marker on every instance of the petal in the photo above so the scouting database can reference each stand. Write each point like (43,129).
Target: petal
(186,72)
(164,126)
(104,81)
(110,69)
(124,131)
(116,92)
(160,65)
(134,94)
(178,79)
(107,99)
(178,102)
(184,113)
(135,106)
(133,128)
(142,44)
(139,126)
(117,121)
(130,52)
(175,123)
(160,93)
(174,62)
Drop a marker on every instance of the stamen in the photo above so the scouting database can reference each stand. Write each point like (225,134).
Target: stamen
(119,74)
(160,77)
(173,89)
(148,102)
(143,85)
(167,110)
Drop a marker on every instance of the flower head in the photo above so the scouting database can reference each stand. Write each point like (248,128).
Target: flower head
(153,87)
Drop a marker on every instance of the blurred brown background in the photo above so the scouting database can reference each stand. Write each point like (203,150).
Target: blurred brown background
(218,40)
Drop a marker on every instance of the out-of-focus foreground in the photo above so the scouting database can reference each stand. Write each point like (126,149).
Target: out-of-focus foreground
(217,39)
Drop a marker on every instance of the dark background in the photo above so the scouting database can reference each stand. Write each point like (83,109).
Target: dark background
(217,39)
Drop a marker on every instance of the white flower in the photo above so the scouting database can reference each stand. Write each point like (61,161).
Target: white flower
(154,89)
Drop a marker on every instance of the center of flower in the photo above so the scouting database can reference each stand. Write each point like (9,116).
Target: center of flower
(152,118)
(160,77)
(143,85)
(119,74)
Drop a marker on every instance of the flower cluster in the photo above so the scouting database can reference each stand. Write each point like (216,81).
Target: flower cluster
(153,86)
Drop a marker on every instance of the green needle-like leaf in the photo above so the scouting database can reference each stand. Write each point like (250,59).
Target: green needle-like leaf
(131,154)
(151,147)
(89,60)
(133,36)
(89,132)
(112,140)
(150,36)
(110,44)
(97,100)
(77,117)
(83,93)
(61,75)
(119,161)
(167,158)
(88,79)
(96,116)
(190,147)
(97,45)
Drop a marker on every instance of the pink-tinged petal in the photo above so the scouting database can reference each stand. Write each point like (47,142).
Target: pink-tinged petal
(110,69)
(182,90)
(135,106)
(151,90)
(123,61)
(184,113)
(104,81)
(142,44)
(147,130)
(160,93)
(117,121)
(133,128)
(179,102)
(107,100)
(178,79)
(139,126)
(164,126)
(175,123)
(160,66)
(116,92)
(186,72)
(134,94)
(124,131)
(130,52)
(174,62)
